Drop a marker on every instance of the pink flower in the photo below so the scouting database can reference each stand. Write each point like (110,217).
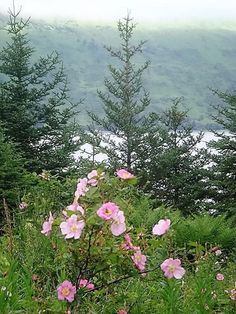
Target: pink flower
(93,182)
(220,277)
(128,245)
(118,225)
(23,205)
(108,211)
(171,268)
(139,260)
(124,174)
(66,291)
(81,187)
(162,227)
(72,227)
(47,225)
(84,283)
(92,176)
(75,207)
(122,312)
(218,252)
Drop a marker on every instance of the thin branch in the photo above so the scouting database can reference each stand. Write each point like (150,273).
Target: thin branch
(121,279)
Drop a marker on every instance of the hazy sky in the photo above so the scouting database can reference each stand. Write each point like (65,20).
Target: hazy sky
(152,10)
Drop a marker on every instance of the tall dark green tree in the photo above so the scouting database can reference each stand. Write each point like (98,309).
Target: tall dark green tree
(34,106)
(223,171)
(173,171)
(124,102)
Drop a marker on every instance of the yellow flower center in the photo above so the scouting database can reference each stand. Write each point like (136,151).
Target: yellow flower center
(65,291)
(171,268)
(74,228)
(108,211)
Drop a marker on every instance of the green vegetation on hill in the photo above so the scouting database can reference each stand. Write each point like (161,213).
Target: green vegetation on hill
(185,61)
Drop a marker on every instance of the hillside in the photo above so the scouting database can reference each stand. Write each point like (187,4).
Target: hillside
(185,61)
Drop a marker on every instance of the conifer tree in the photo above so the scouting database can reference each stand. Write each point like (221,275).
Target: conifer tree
(34,106)
(223,171)
(124,103)
(173,171)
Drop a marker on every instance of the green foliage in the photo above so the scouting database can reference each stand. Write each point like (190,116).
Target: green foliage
(206,229)
(173,167)
(40,263)
(35,109)
(223,170)
(123,103)
(12,176)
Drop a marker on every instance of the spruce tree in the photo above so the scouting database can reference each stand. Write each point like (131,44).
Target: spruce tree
(34,106)
(124,103)
(223,170)
(173,171)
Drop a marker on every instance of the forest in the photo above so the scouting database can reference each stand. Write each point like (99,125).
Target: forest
(151,229)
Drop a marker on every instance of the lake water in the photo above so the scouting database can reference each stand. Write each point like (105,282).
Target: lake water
(86,149)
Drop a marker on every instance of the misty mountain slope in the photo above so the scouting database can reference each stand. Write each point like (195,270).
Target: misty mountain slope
(184,61)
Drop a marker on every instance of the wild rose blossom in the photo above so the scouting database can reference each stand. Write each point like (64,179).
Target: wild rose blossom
(124,174)
(92,177)
(47,225)
(118,225)
(72,227)
(81,187)
(172,268)
(161,227)
(122,312)
(139,260)
(92,174)
(84,283)
(220,277)
(23,205)
(108,211)
(66,291)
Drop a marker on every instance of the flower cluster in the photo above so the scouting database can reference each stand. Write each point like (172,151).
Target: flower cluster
(72,226)
(85,283)
(66,290)
(110,211)
(75,218)
(83,184)
(138,258)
